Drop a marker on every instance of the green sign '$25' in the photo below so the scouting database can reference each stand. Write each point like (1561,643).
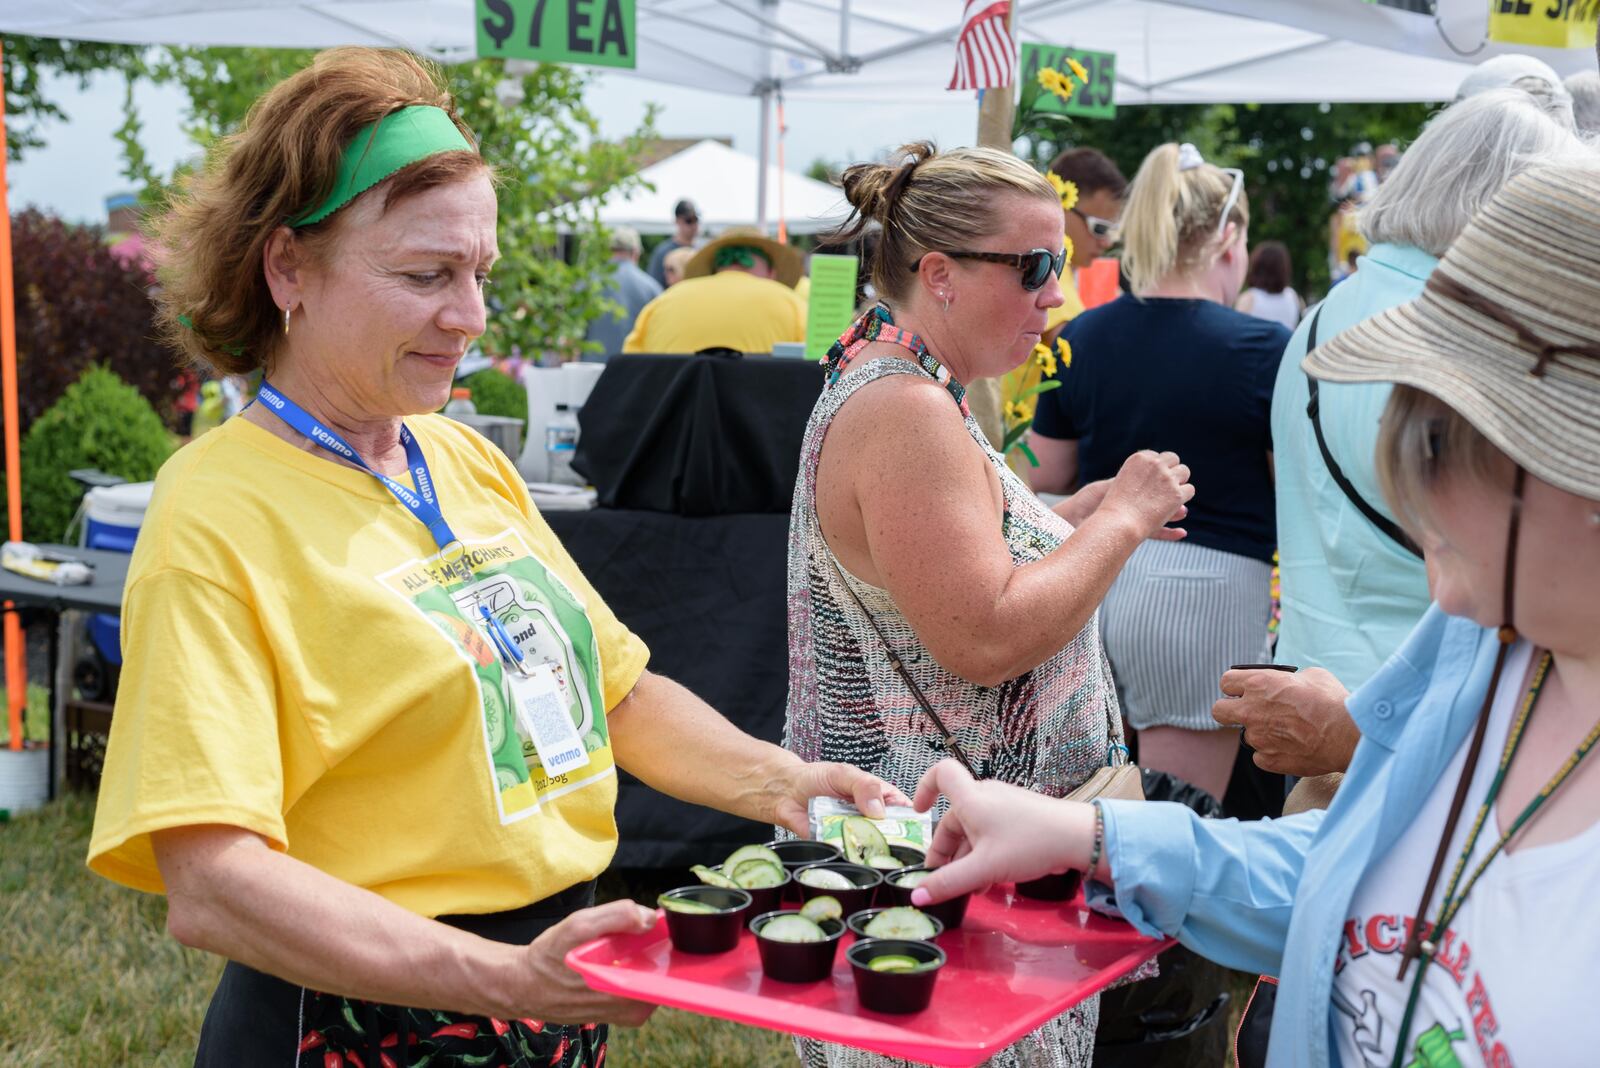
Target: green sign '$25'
(595,32)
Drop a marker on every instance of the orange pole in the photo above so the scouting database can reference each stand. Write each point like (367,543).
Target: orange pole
(783,220)
(16,658)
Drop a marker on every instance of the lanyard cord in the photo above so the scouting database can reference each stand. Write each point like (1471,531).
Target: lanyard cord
(1450,905)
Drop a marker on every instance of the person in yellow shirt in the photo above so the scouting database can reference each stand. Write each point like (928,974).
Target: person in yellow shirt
(1091,189)
(371,714)
(737,293)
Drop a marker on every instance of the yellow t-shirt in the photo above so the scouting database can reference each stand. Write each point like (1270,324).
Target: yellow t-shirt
(298,663)
(731,310)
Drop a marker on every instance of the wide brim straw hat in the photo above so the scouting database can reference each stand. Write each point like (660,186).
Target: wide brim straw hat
(787,262)
(1507,331)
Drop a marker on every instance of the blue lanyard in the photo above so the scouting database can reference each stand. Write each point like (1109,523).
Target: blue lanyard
(423,503)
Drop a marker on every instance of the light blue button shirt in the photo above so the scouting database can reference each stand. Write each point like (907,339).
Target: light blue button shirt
(1350,595)
(1272,896)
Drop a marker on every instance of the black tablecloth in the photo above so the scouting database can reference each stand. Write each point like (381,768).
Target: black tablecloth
(102,593)
(696,435)
(707,596)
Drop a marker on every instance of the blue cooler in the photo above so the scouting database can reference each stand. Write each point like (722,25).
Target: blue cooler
(111,519)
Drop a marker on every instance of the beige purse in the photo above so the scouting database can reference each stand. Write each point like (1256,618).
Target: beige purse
(1119,783)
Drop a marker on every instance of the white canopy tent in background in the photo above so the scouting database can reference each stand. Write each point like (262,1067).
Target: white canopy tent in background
(889,51)
(722,183)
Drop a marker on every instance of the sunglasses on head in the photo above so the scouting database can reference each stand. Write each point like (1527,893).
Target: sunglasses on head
(1036,265)
(1104,229)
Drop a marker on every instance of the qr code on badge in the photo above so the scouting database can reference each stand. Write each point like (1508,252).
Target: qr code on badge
(543,718)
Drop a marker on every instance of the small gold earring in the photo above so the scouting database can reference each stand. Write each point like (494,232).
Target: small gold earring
(287,308)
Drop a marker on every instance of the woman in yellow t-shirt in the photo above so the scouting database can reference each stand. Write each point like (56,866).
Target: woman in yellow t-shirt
(370,712)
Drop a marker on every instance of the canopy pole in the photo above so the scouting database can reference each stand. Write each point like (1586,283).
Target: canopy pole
(995,113)
(16,659)
(766,155)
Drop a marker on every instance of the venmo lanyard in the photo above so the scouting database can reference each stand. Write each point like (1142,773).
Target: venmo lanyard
(1451,904)
(423,503)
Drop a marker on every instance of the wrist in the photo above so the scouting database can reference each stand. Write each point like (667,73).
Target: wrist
(501,981)
(773,780)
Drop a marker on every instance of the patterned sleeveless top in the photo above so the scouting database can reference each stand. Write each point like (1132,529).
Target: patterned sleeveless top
(1048,729)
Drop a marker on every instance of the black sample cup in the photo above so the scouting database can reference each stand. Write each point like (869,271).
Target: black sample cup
(895,991)
(1057,886)
(764,898)
(857,923)
(950,913)
(796,853)
(864,882)
(797,962)
(707,932)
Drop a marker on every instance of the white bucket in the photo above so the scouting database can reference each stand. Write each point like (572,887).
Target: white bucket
(24,777)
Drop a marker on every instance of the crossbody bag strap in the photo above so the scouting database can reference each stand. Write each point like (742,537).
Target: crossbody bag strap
(1387,526)
(948,736)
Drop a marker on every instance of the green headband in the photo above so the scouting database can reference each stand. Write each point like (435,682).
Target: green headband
(738,256)
(391,144)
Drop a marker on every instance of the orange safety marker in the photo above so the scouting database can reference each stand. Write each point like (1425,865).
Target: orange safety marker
(16,656)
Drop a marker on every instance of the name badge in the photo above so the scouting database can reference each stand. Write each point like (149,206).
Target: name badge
(541,711)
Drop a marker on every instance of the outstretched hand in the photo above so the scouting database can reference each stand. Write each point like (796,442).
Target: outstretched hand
(844,781)
(996,833)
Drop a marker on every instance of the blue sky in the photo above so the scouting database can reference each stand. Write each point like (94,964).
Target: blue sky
(81,164)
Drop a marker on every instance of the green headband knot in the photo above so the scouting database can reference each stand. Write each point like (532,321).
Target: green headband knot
(739,256)
(385,147)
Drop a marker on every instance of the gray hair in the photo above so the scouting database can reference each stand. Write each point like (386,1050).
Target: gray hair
(1459,162)
(1585,90)
(1516,70)
(625,239)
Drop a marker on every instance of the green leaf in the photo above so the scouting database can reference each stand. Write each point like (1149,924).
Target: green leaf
(1014,435)
(1033,461)
(1043,387)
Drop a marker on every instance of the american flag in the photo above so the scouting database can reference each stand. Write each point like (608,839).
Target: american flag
(986,54)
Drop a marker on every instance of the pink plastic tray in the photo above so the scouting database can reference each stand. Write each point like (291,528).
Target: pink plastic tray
(1014,964)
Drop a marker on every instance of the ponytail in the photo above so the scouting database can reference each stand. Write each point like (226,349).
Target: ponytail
(1171,219)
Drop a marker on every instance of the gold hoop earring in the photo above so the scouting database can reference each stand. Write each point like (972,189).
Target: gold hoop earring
(947,303)
(287,308)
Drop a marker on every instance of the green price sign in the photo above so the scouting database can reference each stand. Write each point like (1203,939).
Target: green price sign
(597,32)
(1091,101)
(832,304)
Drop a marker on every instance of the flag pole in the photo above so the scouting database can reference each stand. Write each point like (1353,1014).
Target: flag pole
(15,657)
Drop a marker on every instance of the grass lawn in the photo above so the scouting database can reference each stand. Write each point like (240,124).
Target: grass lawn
(88,976)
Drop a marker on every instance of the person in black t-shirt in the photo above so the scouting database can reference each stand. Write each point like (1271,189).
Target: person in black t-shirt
(1175,369)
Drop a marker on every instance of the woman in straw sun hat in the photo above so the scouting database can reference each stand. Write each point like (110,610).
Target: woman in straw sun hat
(1437,912)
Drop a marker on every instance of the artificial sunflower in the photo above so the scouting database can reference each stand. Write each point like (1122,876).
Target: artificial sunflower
(1067,191)
(1065,348)
(1016,413)
(1055,82)
(1046,359)
(1077,68)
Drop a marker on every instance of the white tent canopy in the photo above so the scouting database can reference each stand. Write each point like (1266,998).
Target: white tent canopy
(722,184)
(888,51)
(1168,51)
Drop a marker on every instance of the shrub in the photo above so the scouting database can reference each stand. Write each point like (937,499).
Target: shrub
(497,393)
(78,305)
(100,421)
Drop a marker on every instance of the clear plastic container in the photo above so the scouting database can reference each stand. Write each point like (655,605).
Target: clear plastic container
(460,402)
(560,443)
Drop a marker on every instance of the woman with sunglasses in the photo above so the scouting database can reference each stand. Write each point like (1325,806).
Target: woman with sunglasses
(1173,367)
(936,607)
(1440,912)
